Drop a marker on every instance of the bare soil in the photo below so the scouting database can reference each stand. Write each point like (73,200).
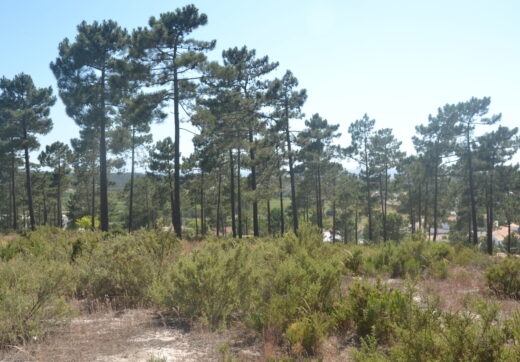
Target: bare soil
(134,335)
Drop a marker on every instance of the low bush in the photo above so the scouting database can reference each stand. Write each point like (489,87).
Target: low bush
(504,278)
(373,310)
(277,287)
(32,298)
(208,284)
(122,268)
(411,257)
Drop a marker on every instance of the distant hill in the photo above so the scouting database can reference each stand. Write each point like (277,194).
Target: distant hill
(119,180)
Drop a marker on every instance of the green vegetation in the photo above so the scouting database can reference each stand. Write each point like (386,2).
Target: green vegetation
(504,278)
(293,291)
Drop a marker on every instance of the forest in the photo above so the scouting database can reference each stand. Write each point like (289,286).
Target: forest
(251,176)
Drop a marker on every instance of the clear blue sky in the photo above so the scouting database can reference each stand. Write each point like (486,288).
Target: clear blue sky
(395,60)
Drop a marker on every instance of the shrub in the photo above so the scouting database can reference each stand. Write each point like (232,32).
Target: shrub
(207,284)
(122,268)
(85,223)
(307,333)
(504,278)
(410,257)
(373,310)
(275,286)
(31,298)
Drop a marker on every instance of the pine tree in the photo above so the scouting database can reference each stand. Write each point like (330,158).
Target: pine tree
(288,103)
(57,156)
(161,162)
(91,80)
(172,58)
(316,151)
(27,109)
(361,131)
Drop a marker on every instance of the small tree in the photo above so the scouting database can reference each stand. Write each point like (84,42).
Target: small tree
(57,156)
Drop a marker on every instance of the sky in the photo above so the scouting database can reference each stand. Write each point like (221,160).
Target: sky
(397,61)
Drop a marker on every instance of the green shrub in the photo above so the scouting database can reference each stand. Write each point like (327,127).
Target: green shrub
(354,260)
(410,257)
(122,268)
(504,278)
(32,298)
(269,284)
(373,310)
(208,284)
(307,333)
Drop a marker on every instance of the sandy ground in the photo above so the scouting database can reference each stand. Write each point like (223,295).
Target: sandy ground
(133,335)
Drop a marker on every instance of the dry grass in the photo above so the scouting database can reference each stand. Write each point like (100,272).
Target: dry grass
(463,285)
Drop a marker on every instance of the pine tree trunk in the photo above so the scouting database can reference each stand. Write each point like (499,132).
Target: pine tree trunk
(282,218)
(320,204)
(419,211)
(356,225)
(45,211)
(13,191)
(132,173)
(218,201)
(291,169)
(60,212)
(239,197)
(177,207)
(425,224)
(334,220)
(509,236)
(28,182)
(232,192)
(256,230)
(490,216)
(93,215)
(202,216)
(172,198)
(472,192)
(269,229)
(435,197)
(382,202)
(103,179)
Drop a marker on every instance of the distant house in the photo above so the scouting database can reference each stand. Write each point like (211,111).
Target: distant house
(327,236)
(443,231)
(502,232)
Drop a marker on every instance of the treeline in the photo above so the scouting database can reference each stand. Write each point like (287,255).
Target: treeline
(250,172)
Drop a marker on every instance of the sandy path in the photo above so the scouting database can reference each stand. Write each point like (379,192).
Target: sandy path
(133,335)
